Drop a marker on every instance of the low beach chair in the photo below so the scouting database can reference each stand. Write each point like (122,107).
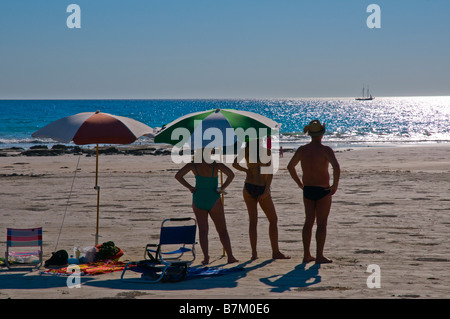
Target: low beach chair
(23,247)
(169,260)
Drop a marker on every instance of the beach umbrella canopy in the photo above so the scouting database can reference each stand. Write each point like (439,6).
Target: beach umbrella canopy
(225,121)
(95,128)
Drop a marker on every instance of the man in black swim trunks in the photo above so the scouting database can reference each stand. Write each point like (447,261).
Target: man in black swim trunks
(317,192)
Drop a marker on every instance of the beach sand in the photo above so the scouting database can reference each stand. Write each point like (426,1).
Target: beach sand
(391,210)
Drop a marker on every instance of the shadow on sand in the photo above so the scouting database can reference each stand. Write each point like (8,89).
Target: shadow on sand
(226,280)
(299,277)
(18,279)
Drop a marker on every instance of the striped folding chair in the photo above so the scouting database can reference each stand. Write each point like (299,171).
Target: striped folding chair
(23,246)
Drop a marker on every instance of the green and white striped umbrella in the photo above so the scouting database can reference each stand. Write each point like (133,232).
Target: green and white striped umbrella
(216,128)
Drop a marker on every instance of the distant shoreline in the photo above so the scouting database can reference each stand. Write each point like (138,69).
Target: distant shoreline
(162,149)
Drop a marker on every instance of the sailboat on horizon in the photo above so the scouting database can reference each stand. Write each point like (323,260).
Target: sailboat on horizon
(369,96)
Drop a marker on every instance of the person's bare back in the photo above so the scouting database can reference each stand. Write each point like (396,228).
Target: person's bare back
(315,159)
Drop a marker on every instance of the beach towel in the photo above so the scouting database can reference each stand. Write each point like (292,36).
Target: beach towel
(192,272)
(90,269)
(211,271)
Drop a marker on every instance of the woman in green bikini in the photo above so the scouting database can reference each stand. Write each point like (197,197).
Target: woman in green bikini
(206,201)
(257,190)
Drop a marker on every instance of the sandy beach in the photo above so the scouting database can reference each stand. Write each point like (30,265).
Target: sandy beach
(391,210)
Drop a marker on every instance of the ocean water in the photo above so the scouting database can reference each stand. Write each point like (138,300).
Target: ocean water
(383,121)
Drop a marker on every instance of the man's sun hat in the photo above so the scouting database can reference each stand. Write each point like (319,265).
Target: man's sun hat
(314,128)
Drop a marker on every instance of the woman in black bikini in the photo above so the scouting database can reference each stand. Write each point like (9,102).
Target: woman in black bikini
(257,190)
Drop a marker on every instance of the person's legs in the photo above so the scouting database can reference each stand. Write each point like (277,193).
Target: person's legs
(202,222)
(323,207)
(268,207)
(218,216)
(310,216)
(252,210)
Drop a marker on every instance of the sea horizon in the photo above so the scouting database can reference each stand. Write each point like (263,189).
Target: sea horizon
(210,98)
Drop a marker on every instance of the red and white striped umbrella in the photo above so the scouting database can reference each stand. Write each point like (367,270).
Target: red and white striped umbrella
(95,128)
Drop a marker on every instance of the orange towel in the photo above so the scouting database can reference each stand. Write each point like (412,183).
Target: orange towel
(91,269)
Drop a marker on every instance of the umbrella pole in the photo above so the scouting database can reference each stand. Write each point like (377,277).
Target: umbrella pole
(97,188)
(223,204)
(223,197)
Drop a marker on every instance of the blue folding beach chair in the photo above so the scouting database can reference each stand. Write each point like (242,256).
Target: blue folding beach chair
(23,247)
(169,260)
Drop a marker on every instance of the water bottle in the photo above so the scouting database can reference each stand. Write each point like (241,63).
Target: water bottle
(77,253)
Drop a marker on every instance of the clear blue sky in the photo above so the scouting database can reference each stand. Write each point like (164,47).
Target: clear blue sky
(223,49)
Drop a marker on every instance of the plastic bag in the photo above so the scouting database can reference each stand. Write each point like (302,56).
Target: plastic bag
(89,254)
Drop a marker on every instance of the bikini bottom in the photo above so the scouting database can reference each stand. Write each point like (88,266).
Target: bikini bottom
(254,190)
(315,192)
